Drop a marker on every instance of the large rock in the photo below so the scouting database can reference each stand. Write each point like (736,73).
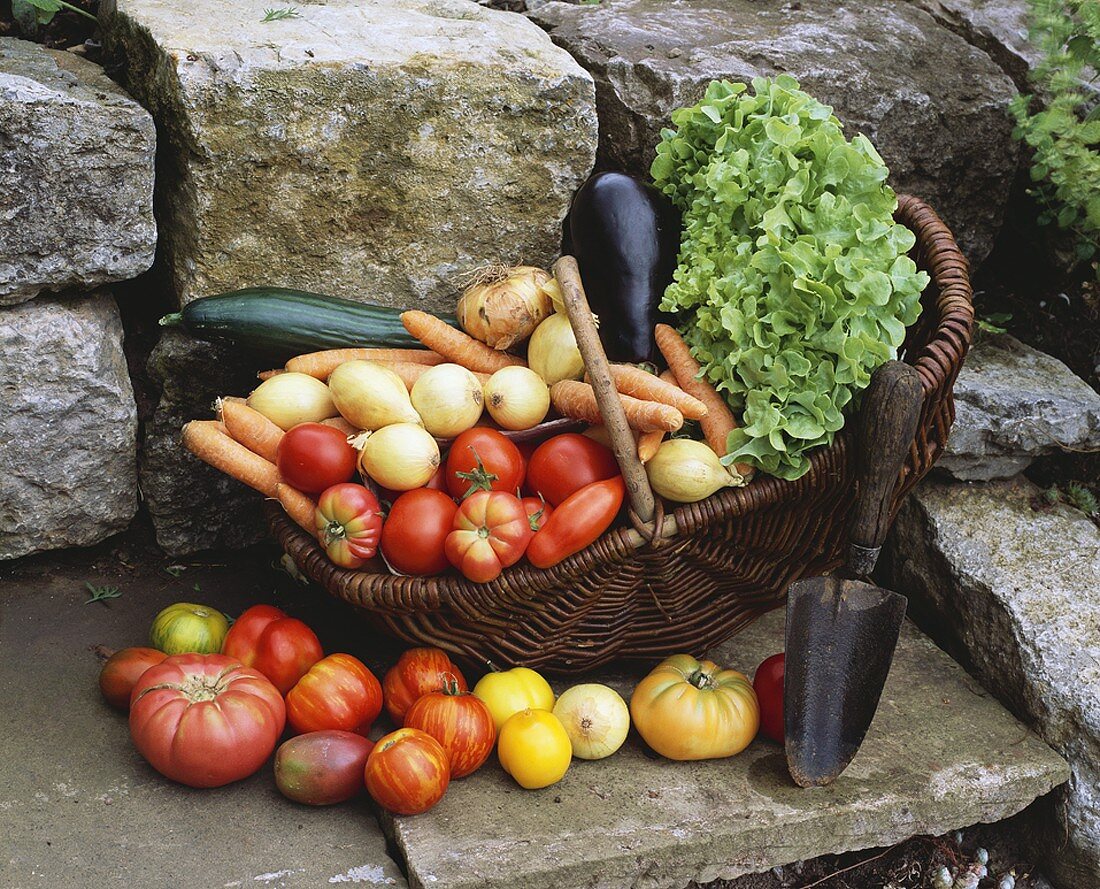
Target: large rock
(76,176)
(68,425)
(193,506)
(1014,403)
(373,150)
(1011,588)
(933,105)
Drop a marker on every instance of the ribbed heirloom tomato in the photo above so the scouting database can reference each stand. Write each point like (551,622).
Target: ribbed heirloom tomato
(407,771)
(282,648)
(491,532)
(349,524)
(417,672)
(204,720)
(337,692)
(460,722)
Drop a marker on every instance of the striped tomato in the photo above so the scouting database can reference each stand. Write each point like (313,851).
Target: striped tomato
(458,721)
(417,672)
(337,692)
(407,772)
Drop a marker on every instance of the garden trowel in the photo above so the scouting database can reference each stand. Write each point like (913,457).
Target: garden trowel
(841,632)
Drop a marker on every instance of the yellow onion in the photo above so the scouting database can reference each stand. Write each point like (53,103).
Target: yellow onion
(448,398)
(503,305)
(516,397)
(685,470)
(370,396)
(292,398)
(400,457)
(553,353)
(596,719)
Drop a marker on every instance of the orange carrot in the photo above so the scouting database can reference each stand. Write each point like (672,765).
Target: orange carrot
(341,424)
(298,506)
(719,421)
(648,442)
(250,428)
(577,400)
(268,374)
(208,440)
(454,345)
(631,380)
(321,364)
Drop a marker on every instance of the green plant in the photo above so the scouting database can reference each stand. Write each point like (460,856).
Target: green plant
(274,15)
(1064,136)
(992,323)
(793,281)
(101,593)
(1076,495)
(45,10)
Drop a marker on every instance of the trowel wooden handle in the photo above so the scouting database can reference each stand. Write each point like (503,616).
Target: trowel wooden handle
(888,421)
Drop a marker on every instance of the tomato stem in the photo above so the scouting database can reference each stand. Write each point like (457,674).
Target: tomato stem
(700,679)
(479,477)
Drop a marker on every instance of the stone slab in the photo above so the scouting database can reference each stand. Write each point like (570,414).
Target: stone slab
(1014,403)
(1012,587)
(76,176)
(941,754)
(68,425)
(935,107)
(371,149)
(80,807)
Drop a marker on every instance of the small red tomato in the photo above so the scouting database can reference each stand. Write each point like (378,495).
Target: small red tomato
(460,722)
(417,672)
(122,671)
(538,511)
(768,685)
(312,457)
(415,531)
(564,464)
(349,524)
(282,648)
(491,532)
(482,459)
(338,692)
(407,772)
(322,768)
(438,482)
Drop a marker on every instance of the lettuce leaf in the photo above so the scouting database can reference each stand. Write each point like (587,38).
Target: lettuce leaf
(793,282)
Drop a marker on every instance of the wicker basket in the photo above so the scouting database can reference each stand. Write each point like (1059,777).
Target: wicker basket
(637,595)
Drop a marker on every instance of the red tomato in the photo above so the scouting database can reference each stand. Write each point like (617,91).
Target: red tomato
(491,532)
(282,648)
(349,524)
(460,722)
(768,684)
(122,670)
(415,530)
(322,768)
(564,464)
(407,772)
(483,460)
(338,692)
(204,720)
(438,482)
(312,457)
(577,522)
(417,672)
(538,511)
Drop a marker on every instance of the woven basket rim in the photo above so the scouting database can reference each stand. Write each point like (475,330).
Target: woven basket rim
(936,361)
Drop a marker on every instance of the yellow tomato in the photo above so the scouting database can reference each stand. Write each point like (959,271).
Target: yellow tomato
(690,709)
(534,748)
(514,690)
(184,627)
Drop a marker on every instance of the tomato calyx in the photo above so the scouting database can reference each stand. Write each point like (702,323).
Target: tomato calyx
(451,688)
(701,679)
(197,688)
(480,478)
(334,531)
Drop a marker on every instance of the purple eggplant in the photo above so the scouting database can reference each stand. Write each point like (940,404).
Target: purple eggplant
(626,237)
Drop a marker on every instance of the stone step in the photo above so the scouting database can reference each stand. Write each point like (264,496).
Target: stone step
(942,754)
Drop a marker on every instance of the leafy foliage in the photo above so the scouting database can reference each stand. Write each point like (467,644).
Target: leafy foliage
(1064,136)
(101,593)
(45,10)
(793,279)
(274,15)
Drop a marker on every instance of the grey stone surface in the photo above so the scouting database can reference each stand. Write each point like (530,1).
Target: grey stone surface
(1014,403)
(68,425)
(78,804)
(373,150)
(941,754)
(76,175)
(194,506)
(1014,591)
(934,106)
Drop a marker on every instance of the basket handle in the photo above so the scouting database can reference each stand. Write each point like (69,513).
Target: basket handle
(607,397)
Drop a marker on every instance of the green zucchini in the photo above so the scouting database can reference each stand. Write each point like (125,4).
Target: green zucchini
(280,323)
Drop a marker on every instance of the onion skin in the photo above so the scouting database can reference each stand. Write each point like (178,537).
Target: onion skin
(401,456)
(370,396)
(288,399)
(505,311)
(517,398)
(596,719)
(553,353)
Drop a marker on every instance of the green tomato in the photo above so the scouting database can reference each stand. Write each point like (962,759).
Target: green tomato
(184,627)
